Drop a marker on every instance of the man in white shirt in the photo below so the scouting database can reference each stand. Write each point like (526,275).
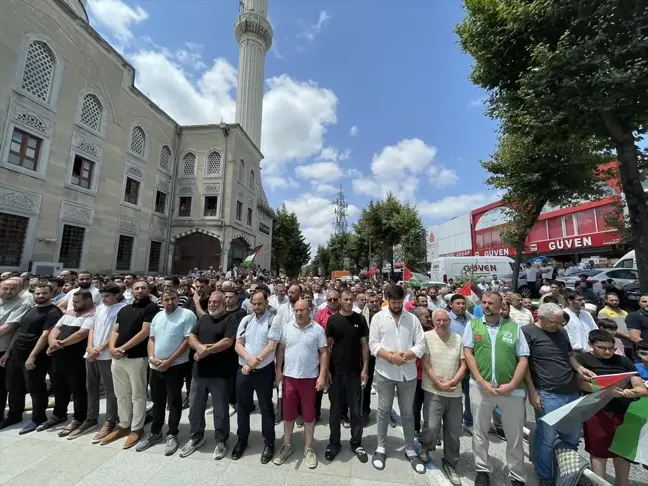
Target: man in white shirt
(84,282)
(547,271)
(517,312)
(98,363)
(279,296)
(532,277)
(396,339)
(580,322)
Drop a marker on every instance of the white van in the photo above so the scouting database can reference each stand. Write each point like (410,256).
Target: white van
(445,268)
(627,261)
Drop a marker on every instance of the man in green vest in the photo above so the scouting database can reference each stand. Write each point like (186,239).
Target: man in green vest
(496,353)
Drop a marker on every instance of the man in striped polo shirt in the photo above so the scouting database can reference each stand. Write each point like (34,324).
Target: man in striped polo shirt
(67,346)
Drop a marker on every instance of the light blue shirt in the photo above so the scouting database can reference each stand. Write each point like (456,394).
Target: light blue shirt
(302,349)
(521,349)
(458,324)
(256,332)
(170,331)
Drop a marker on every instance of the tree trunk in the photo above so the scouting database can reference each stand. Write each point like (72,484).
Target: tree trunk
(519,250)
(634,192)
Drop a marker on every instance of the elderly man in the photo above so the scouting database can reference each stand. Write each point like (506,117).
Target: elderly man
(443,370)
(302,367)
(396,339)
(332,307)
(552,381)
(279,296)
(496,352)
(12,309)
(459,318)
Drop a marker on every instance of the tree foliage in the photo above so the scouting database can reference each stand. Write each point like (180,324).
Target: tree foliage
(562,71)
(533,174)
(289,248)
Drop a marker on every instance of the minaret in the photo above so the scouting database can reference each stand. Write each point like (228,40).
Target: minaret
(254,36)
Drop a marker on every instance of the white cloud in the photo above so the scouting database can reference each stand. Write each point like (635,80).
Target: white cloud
(478,103)
(117,17)
(353,131)
(451,206)
(320,171)
(316,215)
(324,189)
(279,182)
(313,30)
(397,169)
(441,177)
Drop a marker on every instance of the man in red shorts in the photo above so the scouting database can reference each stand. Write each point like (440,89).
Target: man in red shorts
(302,365)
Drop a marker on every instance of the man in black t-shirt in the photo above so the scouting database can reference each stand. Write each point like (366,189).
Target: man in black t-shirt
(232,308)
(637,322)
(551,381)
(28,362)
(215,365)
(128,347)
(348,332)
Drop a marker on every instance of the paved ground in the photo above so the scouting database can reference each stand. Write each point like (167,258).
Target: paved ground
(43,459)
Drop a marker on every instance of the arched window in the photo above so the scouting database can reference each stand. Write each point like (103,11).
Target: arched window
(91,112)
(213,163)
(251,181)
(138,141)
(241,174)
(165,158)
(39,70)
(189,164)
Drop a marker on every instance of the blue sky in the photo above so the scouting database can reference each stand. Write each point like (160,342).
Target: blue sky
(378,90)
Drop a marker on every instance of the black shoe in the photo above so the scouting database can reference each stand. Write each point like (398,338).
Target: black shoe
(499,432)
(331,452)
(360,453)
(238,450)
(515,482)
(29,428)
(9,421)
(267,454)
(482,479)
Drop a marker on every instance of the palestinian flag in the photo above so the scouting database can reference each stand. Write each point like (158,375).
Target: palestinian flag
(414,279)
(248,261)
(585,407)
(631,438)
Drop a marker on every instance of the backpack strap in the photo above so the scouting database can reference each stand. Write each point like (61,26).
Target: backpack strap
(246,320)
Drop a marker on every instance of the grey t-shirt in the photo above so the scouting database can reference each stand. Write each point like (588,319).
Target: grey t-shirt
(549,363)
(11,312)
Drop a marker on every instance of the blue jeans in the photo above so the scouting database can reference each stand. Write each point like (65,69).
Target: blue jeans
(545,434)
(465,386)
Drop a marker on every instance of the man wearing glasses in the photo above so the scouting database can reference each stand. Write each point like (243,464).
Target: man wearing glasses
(551,381)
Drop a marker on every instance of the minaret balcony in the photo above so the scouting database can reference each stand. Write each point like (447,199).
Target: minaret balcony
(251,23)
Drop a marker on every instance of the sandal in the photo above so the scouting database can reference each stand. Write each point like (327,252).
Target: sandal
(331,452)
(379,460)
(361,454)
(69,428)
(416,463)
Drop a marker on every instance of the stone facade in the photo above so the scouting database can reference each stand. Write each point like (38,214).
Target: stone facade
(93,174)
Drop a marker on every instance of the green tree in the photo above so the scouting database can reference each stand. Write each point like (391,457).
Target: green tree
(389,223)
(323,258)
(569,70)
(533,173)
(289,248)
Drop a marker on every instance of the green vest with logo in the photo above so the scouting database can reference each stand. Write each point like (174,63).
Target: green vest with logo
(505,356)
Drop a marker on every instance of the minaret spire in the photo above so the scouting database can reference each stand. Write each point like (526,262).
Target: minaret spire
(254,36)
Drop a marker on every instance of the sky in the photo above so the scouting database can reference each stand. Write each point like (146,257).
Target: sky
(369,96)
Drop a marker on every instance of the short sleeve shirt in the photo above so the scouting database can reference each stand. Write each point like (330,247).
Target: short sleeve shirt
(11,312)
(169,332)
(302,345)
(256,333)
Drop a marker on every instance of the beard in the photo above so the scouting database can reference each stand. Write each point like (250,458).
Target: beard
(216,313)
(84,285)
(395,311)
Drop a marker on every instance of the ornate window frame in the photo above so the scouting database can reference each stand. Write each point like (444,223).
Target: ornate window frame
(162,184)
(126,227)
(131,170)
(212,189)
(168,171)
(34,122)
(157,233)
(57,74)
(144,155)
(90,150)
(74,214)
(185,190)
(182,173)
(219,174)
(104,113)
(26,204)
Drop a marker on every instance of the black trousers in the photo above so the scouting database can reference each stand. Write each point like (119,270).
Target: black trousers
(345,390)
(21,381)
(260,381)
(419,395)
(189,372)
(166,387)
(68,377)
(366,393)
(3,388)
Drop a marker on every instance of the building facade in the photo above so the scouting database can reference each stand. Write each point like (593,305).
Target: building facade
(95,176)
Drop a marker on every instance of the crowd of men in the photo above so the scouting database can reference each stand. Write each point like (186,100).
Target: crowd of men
(454,367)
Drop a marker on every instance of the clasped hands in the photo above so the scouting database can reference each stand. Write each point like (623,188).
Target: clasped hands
(252,363)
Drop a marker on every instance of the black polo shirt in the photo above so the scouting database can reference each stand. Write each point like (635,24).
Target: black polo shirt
(238,314)
(347,333)
(33,323)
(130,319)
(638,321)
(211,330)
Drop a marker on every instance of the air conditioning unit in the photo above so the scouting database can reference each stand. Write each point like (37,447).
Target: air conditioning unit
(46,268)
